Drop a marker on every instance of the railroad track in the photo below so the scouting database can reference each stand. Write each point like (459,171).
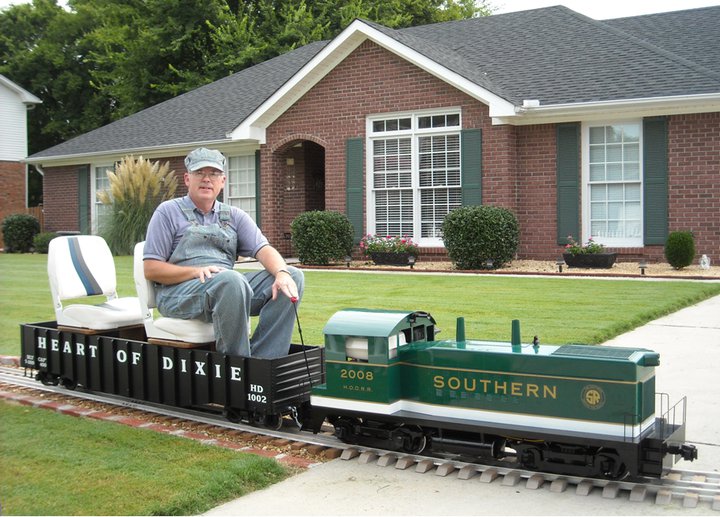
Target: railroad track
(690,488)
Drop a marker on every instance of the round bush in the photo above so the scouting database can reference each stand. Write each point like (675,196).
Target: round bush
(322,237)
(475,234)
(41,242)
(680,249)
(18,232)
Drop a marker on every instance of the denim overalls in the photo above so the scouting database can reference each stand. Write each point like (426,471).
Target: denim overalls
(229,298)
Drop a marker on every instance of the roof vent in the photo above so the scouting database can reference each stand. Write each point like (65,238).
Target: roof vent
(531,103)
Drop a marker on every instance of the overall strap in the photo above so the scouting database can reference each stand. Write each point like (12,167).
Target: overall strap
(224,213)
(188,212)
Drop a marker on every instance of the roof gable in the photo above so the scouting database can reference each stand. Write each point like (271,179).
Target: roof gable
(431,58)
(25,96)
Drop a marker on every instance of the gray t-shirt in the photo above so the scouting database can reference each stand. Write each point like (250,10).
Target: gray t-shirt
(168,224)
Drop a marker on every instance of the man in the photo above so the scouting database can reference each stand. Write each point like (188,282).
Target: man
(191,246)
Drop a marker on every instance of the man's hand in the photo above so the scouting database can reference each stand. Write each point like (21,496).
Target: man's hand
(284,283)
(206,272)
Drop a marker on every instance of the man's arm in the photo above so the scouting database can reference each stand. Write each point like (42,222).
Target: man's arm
(168,274)
(274,264)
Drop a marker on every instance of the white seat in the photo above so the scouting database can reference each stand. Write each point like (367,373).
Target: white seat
(80,266)
(164,328)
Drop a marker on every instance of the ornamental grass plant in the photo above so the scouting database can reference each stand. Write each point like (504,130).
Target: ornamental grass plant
(137,187)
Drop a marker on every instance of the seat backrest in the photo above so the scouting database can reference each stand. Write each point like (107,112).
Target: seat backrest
(144,287)
(80,265)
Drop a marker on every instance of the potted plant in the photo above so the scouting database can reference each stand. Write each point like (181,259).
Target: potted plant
(389,250)
(590,255)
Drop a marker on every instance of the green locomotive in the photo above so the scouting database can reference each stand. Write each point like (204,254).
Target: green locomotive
(570,409)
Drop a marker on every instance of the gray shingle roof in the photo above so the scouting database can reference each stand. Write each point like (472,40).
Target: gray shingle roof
(692,34)
(205,114)
(558,56)
(554,55)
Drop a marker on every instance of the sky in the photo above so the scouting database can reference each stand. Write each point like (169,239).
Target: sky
(598,9)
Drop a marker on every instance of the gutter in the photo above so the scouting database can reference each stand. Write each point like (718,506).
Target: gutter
(533,112)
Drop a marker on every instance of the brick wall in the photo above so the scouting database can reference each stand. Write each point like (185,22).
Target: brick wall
(536,207)
(694,160)
(60,193)
(12,194)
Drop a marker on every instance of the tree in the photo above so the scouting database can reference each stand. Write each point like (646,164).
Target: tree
(40,50)
(102,60)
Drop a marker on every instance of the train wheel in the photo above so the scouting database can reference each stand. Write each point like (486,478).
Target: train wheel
(233,415)
(47,379)
(344,429)
(273,421)
(69,384)
(611,466)
(414,440)
(530,458)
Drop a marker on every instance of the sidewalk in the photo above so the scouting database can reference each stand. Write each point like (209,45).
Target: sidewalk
(689,345)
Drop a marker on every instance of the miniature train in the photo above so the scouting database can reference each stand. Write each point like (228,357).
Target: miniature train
(382,380)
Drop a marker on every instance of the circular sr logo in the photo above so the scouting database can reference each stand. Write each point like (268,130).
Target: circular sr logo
(593,397)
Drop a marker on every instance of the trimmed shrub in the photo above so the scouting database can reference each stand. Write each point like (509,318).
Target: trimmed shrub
(322,237)
(680,249)
(475,234)
(19,231)
(41,242)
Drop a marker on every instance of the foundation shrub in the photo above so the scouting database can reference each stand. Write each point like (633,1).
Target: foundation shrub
(475,234)
(18,232)
(680,249)
(321,237)
(41,242)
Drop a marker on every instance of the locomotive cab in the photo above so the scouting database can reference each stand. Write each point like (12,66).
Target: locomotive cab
(362,350)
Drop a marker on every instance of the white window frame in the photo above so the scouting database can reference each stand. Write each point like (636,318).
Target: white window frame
(94,212)
(615,242)
(414,133)
(251,168)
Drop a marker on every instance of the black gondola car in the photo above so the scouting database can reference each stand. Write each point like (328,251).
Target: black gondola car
(120,363)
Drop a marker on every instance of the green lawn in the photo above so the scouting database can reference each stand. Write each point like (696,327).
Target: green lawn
(558,310)
(55,464)
(58,465)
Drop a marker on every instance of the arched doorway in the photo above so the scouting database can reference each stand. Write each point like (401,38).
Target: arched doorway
(303,179)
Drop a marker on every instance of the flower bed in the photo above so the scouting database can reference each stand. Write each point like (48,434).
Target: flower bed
(389,250)
(590,260)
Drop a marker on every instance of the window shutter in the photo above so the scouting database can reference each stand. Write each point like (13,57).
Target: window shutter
(83,174)
(471,164)
(354,184)
(568,182)
(257,187)
(655,180)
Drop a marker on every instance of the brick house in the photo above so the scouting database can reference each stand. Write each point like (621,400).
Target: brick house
(609,129)
(14,104)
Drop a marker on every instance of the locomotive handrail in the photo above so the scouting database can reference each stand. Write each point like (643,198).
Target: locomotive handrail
(674,417)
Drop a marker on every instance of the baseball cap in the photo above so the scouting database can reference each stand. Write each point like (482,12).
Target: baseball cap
(202,157)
